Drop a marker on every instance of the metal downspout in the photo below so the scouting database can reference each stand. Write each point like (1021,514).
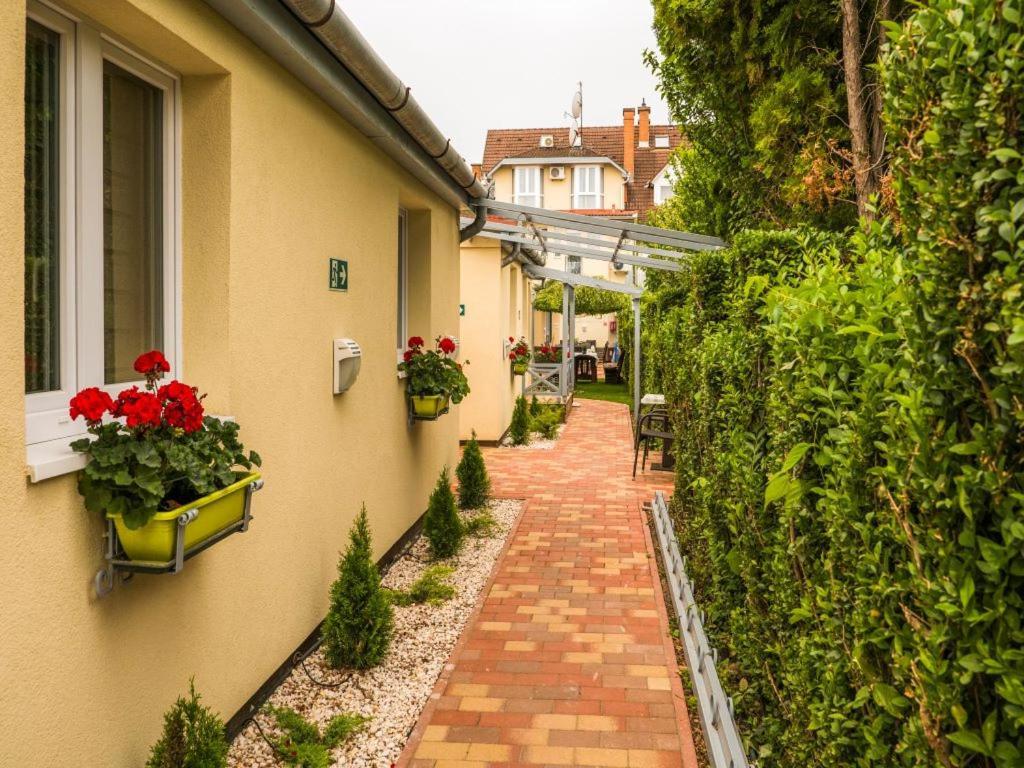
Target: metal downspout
(475,226)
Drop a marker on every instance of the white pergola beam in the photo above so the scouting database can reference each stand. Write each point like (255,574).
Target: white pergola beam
(639,232)
(624,244)
(586,253)
(572,278)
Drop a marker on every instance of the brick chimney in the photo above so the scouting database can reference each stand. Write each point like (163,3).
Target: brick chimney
(644,137)
(627,140)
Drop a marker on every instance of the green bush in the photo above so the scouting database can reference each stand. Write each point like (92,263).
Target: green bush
(534,406)
(442,525)
(481,524)
(848,413)
(358,627)
(519,431)
(193,737)
(302,743)
(432,587)
(547,423)
(474,484)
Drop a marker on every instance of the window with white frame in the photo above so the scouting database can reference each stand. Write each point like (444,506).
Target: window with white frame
(403,281)
(664,186)
(101,216)
(529,189)
(587,187)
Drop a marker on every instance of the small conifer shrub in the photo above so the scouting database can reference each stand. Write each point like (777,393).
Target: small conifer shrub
(303,745)
(474,484)
(442,525)
(357,630)
(193,737)
(519,432)
(534,406)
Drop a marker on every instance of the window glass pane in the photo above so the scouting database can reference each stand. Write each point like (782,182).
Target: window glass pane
(132,221)
(42,210)
(403,268)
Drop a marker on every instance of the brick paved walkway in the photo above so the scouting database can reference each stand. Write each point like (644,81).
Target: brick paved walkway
(568,661)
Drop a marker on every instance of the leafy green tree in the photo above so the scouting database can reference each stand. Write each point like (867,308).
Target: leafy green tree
(589,301)
(519,431)
(474,484)
(442,525)
(358,627)
(193,736)
(762,93)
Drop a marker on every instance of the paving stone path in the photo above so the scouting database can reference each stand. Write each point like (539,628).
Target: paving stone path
(568,660)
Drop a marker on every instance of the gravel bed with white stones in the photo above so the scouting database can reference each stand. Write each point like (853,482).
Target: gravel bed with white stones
(537,443)
(394,693)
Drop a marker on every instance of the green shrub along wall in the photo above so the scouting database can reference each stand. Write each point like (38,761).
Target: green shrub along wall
(849,411)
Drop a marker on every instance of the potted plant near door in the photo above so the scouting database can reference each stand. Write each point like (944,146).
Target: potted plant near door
(155,455)
(519,355)
(434,378)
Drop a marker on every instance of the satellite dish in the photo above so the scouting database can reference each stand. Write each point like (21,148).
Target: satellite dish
(577,105)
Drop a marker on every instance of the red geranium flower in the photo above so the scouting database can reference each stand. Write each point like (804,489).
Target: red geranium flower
(416,341)
(91,404)
(139,409)
(182,406)
(447,345)
(409,355)
(511,339)
(152,362)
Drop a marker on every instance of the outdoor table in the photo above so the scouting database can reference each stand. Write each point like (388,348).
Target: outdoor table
(652,401)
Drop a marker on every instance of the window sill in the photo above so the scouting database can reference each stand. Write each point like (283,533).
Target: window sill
(53,459)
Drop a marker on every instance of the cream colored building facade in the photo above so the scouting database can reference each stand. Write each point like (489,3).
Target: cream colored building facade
(495,307)
(263,181)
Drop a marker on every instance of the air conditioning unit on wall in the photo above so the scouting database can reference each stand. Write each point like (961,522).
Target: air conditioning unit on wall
(557,172)
(547,141)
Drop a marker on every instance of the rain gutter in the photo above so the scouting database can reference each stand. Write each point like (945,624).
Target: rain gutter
(319,45)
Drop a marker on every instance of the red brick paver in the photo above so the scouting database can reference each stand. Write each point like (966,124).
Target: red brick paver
(568,661)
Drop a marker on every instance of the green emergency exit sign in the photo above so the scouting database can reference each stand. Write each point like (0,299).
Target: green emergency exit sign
(338,278)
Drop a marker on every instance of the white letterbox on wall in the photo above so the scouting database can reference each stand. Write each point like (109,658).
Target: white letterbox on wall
(347,359)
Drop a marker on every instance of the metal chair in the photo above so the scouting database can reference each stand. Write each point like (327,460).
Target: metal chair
(653,425)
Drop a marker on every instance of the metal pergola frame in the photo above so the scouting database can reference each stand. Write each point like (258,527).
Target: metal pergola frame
(590,237)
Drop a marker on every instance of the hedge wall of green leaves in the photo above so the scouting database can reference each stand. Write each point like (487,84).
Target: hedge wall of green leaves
(849,412)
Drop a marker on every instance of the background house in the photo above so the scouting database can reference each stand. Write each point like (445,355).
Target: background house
(615,172)
(247,158)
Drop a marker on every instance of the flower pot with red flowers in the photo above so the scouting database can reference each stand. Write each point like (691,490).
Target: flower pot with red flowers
(434,378)
(168,478)
(520,355)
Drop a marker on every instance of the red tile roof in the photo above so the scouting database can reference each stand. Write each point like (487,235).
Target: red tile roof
(598,141)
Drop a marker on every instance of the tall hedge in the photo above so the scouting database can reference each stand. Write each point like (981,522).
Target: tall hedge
(850,483)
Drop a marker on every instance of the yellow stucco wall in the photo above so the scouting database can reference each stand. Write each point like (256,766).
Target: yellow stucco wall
(274,183)
(497,306)
(558,193)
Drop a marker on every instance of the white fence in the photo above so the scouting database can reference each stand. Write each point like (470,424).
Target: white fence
(551,379)
(725,748)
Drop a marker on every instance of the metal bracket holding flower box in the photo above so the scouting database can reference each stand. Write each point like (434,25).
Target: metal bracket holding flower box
(170,538)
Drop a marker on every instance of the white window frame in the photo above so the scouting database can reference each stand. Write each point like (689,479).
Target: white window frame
(402,313)
(582,186)
(664,186)
(524,193)
(83,49)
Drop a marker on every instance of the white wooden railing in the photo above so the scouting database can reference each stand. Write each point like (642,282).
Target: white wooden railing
(550,379)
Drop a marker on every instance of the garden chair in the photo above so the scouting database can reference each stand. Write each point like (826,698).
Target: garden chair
(653,425)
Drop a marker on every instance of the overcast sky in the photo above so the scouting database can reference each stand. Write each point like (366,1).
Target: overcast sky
(479,64)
